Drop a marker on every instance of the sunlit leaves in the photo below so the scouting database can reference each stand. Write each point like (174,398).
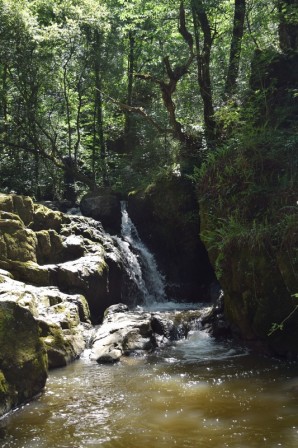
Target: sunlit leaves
(49,48)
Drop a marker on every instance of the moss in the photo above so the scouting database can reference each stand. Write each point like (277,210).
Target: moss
(8,395)
(23,360)
(45,218)
(4,386)
(21,245)
(50,248)
(19,205)
(6,203)
(58,345)
(8,219)
(23,206)
(27,272)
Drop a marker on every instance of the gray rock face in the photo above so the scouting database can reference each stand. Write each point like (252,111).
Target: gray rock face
(62,319)
(167,216)
(40,328)
(125,332)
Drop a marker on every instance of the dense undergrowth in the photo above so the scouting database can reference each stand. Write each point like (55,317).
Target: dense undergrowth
(251,192)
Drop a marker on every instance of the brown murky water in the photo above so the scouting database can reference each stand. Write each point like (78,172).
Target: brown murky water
(196,394)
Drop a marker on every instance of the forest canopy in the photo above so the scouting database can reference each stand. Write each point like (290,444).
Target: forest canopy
(113,92)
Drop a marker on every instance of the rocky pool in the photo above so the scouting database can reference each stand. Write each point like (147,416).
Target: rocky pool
(196,393)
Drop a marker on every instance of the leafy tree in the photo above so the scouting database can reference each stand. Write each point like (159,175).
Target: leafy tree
(113,92)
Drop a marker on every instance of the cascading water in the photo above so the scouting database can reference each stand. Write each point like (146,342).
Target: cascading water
(140,263)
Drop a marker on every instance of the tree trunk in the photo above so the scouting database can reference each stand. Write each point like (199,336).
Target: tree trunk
(174,76)
(200,20)
(3,102)
(235,50)
(98,113)
(130,76)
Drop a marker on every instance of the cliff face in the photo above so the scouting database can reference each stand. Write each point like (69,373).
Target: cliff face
(167,217)
(249,213)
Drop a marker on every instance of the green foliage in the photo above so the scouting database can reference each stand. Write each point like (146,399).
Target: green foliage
(279,327)
(249,188)
(64,71)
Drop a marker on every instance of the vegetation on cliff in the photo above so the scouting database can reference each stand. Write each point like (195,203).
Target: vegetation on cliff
(248,197)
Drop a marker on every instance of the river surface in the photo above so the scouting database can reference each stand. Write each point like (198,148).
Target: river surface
(197,393)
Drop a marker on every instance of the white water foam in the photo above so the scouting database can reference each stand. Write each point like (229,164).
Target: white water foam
(140,262)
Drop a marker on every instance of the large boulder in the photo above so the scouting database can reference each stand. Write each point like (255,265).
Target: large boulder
(124,332)
(166,215)
(23,360)
(103,206)
(40,328)
(62,319)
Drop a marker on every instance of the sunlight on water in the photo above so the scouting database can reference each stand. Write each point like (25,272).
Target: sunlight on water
(197,393)
(172,306)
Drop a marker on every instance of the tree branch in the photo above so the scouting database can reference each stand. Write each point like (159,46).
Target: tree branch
(58,163)
(140,110)
(187,36)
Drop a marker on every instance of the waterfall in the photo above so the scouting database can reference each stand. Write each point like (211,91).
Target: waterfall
(140,262)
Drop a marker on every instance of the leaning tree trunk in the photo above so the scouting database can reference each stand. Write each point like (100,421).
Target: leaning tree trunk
(174,75)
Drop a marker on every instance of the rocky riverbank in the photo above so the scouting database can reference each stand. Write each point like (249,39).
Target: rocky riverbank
(125,333)
(58,274)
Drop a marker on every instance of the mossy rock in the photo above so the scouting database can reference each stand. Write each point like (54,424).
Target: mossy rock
(62,345)
(28,272)
(10,222)
(19,205)
(50,248)
(23,360)
(8,395)
(16,242)
(20,245)
(45,218)
(256,297)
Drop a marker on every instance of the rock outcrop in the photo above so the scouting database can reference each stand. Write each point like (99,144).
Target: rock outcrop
(23,360)
(104,207)
(124,332)
(62,319)
(43,247)
(40,328)
(54,270)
